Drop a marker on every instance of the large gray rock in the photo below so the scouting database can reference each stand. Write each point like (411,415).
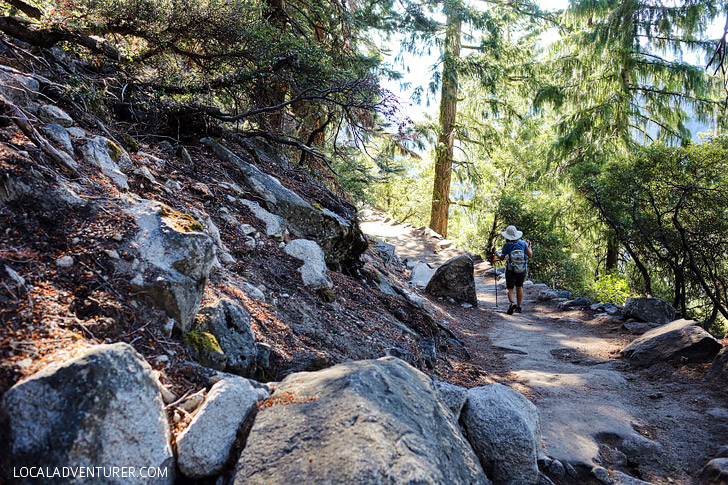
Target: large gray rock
(452,396)
(714,473)
(455,279)
(340,238)
(421,274)
(20,89)
(649,310)
(53,114)
(580,302)
(670,342)
(313,271)
(175,259)
(105,155)
(275,226)
(546,295)
(505,431)
(718,370)
(103,409)
(59,135)
(204,447)
(230,324)
(366,422)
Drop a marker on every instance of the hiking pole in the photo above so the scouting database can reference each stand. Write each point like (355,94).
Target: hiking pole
(495,280)
(495,283)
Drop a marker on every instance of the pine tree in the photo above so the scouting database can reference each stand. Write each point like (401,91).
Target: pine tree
(619,78)
(483,23)
(446,139)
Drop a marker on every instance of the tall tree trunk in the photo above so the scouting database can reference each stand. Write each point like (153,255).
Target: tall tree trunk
(612,252)
(272,91)
(448,111)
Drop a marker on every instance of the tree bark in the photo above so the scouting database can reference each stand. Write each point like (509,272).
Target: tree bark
(612,253)
(273,91)
(640,267)
(50,37)
(448,111)
(714,297)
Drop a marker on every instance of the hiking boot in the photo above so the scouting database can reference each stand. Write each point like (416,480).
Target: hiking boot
(511,308)
(518,309)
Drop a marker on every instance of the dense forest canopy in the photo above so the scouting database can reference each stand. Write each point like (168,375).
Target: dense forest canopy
(582,142)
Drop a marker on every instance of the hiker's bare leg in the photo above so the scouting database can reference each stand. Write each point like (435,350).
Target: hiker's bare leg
(519,295)
(510,295)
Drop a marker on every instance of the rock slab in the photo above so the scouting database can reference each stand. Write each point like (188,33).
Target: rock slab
(339,237)
(175,259)
(99,152)
(421,274)
(670,342)
(313,271)
(366,422)
(718,370)
(102,409)
(649,310)
(230,324)
(505,430)
(455,279)
(204,447)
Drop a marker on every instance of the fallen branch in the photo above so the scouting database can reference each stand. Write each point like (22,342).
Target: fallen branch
(28,10)
(64,160)
(239,136)
(17,28)
(45,83)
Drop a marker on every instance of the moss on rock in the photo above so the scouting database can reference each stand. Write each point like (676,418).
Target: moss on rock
(326,295)
(115,151)
(130,142)
(203,341)
(181,222)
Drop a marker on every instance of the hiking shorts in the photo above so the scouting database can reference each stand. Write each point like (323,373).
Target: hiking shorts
(514,279)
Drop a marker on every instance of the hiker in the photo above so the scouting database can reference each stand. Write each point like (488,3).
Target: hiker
(517,252)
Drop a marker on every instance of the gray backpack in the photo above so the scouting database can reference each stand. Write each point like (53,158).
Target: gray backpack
(516,261)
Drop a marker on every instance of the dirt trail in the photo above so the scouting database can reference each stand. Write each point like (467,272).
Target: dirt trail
(661,424)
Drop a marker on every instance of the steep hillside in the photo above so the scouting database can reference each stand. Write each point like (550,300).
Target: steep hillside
(77,195)
(182,298)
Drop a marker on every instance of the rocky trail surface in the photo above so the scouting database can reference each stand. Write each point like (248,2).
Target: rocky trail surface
(602,420)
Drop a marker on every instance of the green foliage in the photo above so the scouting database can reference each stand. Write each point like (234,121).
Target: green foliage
(668,206)
(236,57)
(390,176)
(613,85)
(553,258)
(612,288)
